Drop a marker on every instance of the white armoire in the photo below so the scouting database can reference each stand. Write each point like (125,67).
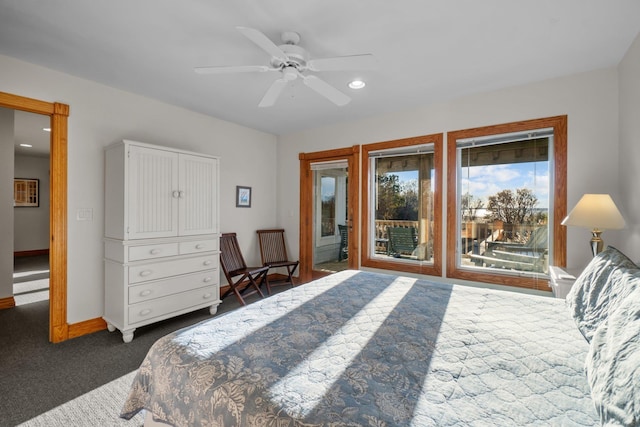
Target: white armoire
(161,234)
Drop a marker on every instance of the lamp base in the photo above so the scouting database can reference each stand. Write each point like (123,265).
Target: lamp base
(596,242)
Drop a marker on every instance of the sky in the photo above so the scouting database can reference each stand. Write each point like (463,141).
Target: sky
(484,181)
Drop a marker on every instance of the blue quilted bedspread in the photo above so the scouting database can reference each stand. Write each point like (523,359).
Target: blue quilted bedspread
(366,349)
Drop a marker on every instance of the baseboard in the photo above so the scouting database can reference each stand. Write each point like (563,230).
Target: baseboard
(87,327)
(33,252)
(8,302)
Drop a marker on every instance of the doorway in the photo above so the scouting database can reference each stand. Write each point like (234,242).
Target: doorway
(328,212)
(58,113)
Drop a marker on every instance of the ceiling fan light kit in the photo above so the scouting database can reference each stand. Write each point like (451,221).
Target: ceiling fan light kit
(293,61)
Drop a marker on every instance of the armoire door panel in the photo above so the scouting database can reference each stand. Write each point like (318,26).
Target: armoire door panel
(197,196)
(153,193)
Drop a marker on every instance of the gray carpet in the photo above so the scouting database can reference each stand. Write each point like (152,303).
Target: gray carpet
(99,407)
(37,376)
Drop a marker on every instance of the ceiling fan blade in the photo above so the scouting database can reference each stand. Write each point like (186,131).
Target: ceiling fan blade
(326,90)
(234,69)
(352,62)
(273,93)
(263,42)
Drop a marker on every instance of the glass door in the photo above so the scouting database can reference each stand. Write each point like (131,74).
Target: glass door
(329,222)
(330,217)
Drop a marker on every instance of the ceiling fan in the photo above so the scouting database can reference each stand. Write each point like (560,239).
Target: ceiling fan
(292,62)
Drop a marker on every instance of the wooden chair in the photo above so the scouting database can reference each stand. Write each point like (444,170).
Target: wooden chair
(402,240)
(343,252)
(273,251)
(233,265)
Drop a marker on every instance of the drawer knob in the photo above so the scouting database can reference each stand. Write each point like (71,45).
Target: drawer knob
(145,312)
(199,246)
(207,262)
(145,293)
(155,251)
(206,296)
(144,273)
(207,279)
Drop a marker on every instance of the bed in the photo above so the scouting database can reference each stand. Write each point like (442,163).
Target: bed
(366,349)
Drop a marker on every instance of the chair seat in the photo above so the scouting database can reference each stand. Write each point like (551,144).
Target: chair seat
(282,264)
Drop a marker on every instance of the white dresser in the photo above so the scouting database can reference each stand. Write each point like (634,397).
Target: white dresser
(161,234)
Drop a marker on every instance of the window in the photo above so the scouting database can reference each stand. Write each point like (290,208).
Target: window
(327,206)
(506,197)
(402,205)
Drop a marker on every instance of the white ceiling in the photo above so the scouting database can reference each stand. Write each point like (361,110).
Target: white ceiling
(426,50)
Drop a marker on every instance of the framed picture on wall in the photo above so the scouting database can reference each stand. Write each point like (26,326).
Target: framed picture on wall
(26,193)
(243,197)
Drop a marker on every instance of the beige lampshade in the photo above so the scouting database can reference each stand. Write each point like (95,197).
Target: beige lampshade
(595,211)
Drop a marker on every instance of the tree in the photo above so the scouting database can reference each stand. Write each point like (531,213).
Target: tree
(396,200)
(470,206)
(388,190)
(408,208)
(513,208)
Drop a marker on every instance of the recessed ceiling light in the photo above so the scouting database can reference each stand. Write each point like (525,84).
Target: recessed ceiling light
(26,145)
(46,129)
(357,84)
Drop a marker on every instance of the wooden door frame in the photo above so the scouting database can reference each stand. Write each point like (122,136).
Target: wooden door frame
(352,155)
(59,113)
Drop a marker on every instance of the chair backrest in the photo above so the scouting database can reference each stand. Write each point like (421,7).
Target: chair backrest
(231,258)
(272,246)
(343,252)
(344,235)
(402,239)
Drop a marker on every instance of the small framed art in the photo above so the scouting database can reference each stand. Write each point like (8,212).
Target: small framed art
(25,193)
(243,197)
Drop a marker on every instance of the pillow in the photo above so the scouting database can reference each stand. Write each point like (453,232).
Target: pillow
(613,363)
(600,289)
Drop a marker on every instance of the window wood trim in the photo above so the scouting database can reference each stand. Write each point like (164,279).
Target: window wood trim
(366,259)
(559,125)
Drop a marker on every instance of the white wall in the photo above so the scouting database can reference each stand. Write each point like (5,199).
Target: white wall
(6,202)
(629,172)
(31,225)
(100,115)
(590,100)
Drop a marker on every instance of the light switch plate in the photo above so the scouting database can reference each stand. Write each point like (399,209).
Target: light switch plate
(84,214)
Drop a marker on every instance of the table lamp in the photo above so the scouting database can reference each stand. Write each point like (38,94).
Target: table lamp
(598,213)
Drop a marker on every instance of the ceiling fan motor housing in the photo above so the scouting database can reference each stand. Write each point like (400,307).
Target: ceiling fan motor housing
(296,57)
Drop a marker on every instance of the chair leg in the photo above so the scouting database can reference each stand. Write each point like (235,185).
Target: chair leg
(257,286)
(252,282)
(290,271)
(265,280)
(239,295)
(235,288)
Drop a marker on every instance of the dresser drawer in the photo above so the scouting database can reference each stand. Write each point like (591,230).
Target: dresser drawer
(137,253)
(173,285)
(144,311)
(168,268)
(195,246)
